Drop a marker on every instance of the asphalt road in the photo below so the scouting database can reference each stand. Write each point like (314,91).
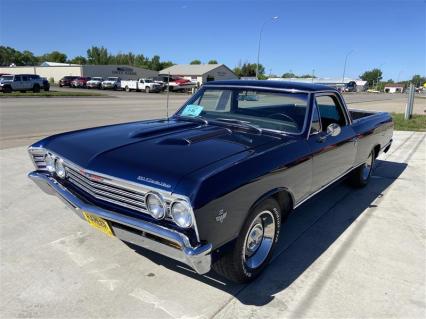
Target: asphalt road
(347,253)
(26,120)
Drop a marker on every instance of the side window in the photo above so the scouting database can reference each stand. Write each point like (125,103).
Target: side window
(17,78)
(25,78)
(330,111)
(316,123)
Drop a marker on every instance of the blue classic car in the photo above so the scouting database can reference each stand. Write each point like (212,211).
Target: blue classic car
(211,185)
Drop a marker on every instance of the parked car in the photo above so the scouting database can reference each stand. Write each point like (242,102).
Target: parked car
(94,83)
(350,87)
(113,83)
(80,82)
(211,185)
(176,83)
(66,80)
(146,85)
(22,83)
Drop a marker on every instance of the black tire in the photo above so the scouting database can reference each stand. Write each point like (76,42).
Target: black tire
(127,89)
(147,89)
(60,85)
(46,89)
(22,91)
(7,89)
(36,88)
(360,176)
(234,265)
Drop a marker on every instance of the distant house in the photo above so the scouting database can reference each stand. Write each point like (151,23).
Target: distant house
(201,73)
(393,88)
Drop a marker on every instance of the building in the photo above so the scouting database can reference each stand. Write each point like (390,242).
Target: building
(338,83)
(201,73)
(56,71)
(393,88)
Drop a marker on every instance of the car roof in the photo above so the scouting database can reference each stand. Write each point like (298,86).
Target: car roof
(272,84)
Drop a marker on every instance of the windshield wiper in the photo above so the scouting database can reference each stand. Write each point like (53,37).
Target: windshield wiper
(241,123)
(197,119)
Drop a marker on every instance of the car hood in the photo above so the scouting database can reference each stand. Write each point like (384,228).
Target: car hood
(154,153)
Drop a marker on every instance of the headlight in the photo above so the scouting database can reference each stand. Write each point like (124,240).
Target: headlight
(50,162)
(59,168)
(155,205)
(181,214)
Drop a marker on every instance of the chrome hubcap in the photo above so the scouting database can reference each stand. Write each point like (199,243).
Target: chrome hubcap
(367,167)
(259,240)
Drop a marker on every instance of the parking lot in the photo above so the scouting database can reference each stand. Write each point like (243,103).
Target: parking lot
(345,253)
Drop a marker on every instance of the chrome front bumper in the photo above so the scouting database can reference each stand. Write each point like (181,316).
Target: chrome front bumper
(141,233)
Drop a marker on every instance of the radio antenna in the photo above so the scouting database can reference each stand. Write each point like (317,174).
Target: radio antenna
(168,92)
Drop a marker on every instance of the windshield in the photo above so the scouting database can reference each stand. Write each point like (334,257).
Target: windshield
(7,77)
(112,79)
(264,109)
(148,81)
(97,79)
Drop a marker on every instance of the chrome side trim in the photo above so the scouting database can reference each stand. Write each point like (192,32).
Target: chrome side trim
(325,186)
(198,257)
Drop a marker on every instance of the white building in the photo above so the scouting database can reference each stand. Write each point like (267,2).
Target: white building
(59,70)
(393,88)
(201,73)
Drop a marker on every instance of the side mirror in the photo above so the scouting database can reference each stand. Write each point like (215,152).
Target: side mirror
(332,130)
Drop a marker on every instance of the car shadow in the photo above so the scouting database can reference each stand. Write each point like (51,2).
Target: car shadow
(308,232)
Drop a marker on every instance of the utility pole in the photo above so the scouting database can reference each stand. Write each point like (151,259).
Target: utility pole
(258,47)
(344,66)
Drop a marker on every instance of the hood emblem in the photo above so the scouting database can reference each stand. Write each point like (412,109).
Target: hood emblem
(221,216)
(92,177)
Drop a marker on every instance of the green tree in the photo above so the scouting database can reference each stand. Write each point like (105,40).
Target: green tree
(9,55)
(78,60)
(372,76)
(249,69)
(288,75)
(54,56)
(195,62)
(96,55)
(418,80)
(213,62)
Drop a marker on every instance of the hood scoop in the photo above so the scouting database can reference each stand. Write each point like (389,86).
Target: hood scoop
(195,137)
(157,130)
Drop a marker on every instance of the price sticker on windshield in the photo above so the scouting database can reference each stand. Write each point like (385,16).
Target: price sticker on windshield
(192,110)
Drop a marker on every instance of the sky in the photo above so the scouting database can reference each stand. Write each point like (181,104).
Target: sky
(308,35)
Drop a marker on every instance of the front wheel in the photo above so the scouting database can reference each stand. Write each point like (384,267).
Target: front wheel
(255,244)
(147,89)
(361,175)
(36,88)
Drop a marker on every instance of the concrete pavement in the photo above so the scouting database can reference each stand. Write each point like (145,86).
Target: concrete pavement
(345,253)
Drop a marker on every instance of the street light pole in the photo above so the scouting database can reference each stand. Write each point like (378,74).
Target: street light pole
(258,47)
(344,67)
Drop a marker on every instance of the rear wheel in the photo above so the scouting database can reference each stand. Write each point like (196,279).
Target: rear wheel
(36,88)
(255,244)
(7,89)
(127,89)
(361,175)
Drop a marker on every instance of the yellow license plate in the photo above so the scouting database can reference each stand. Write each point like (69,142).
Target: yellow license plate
(98,223)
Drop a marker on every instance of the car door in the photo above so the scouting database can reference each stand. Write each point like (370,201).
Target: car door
(332,155)
(26,83)
(17,83)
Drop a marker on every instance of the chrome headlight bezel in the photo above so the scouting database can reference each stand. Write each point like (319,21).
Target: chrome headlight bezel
(60,168)
(50,162)
(189,216)
(161,201)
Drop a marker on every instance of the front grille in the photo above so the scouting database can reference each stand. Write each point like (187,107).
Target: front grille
(38,156)
(108,191)
(102,190)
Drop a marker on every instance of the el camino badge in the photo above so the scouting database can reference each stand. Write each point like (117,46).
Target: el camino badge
(221,216)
